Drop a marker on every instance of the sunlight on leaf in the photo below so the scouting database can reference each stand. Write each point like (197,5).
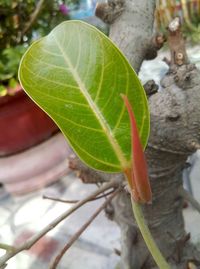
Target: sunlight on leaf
(76,75)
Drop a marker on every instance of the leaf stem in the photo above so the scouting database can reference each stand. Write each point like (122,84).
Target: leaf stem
(153,248)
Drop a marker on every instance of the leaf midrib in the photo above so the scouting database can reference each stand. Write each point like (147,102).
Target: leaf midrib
(117,149)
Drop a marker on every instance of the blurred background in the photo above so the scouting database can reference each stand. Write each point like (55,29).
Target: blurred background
(33,153)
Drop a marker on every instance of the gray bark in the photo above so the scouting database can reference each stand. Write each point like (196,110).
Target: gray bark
(132,30)
(131,24)
(175,134)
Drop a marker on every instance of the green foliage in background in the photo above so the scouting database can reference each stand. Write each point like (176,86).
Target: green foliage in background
(15,17)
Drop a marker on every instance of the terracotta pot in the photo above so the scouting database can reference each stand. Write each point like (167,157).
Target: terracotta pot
(22,124)
(36,167)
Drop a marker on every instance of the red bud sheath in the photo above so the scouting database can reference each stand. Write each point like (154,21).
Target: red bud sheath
(139,175)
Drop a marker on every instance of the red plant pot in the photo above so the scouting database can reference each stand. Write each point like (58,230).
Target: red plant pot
(37,167)
(22,124)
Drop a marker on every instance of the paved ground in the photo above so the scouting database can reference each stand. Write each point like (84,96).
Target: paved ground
(21,217)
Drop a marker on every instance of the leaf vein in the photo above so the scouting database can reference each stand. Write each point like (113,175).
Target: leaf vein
(102,73)
(48,64)
(75,123)
(116,147)
(94,158)
(49,80)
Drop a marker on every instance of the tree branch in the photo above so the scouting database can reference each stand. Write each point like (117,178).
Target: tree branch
(6,247)
(33,17)
(187,196)
(30,242)
(150,87)
(86,174)
(76,201)
(132,31)
(108,12)
(177,43)
(155,44)
(80,231)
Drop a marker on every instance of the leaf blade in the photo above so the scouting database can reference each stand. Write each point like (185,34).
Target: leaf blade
(85,91)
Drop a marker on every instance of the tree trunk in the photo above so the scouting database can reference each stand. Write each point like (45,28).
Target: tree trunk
(175,134)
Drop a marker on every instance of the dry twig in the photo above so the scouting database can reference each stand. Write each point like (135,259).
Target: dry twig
(76,201)
(30,242)
(80,231)
(33,17)
(187,196)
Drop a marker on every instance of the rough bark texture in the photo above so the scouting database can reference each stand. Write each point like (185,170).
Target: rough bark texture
(137,15)
(175,134)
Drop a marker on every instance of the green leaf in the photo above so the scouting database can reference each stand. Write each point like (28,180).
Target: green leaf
(3,90)
(13,83)
(76,74)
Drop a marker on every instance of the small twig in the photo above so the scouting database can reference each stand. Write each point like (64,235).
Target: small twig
(30,242)
(80,231)
(6,247)
(76,201)
(117,252)
(150,87)
(110,11)
(155,44)
(187,196)
(167,61)
(176,43)
(33,17)
(86,174)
